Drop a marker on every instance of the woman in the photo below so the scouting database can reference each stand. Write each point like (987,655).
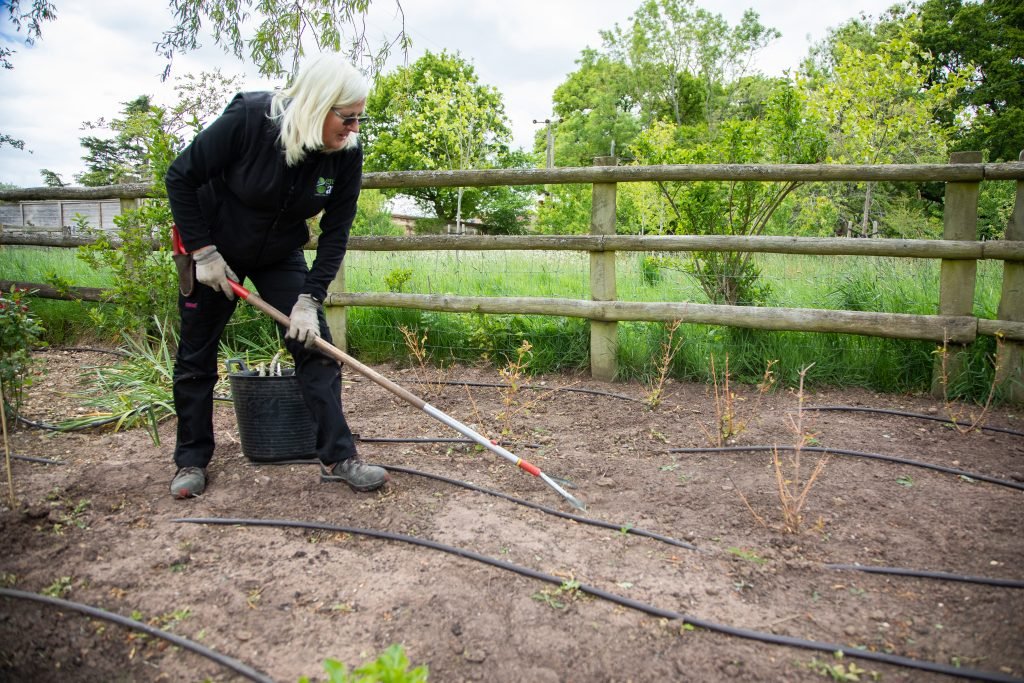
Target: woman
(240,194)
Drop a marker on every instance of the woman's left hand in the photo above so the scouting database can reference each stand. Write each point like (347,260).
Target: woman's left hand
(304,323)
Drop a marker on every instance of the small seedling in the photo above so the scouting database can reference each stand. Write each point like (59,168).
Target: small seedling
(392,666)
(905,481)
(59,588)
(747,555)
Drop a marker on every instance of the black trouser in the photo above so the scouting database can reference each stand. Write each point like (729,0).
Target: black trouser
(204,315)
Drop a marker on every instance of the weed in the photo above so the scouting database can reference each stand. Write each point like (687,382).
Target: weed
(398,279)
(59,588)
(844,673)
(391,666)
(560,597)
(747,555)
(254,597)
(669,348)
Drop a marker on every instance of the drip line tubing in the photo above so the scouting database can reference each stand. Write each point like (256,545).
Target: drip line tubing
(519,501)
(499,385)
(898,571)
(944,576)
(635,531)
(184,643)
(922,416)
(749,634)
(860,454)
(41,461)
(543,508)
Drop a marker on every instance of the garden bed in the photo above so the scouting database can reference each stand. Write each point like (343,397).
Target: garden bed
(100,528)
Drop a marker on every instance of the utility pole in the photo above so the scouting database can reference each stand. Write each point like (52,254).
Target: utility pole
(550,161)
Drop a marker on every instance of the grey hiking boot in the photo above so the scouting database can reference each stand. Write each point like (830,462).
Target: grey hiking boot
(188,482)
(355,473)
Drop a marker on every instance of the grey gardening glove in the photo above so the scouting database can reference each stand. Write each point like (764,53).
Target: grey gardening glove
(213,271)
(305,323)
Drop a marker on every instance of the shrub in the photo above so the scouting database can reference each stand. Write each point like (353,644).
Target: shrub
(19,332)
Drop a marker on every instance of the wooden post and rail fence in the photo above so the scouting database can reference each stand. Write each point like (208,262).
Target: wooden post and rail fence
(953,325)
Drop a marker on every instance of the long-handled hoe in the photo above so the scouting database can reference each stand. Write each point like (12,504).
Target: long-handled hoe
(338,354)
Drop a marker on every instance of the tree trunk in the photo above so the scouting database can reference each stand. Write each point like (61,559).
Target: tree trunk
(458,214)
(865,220)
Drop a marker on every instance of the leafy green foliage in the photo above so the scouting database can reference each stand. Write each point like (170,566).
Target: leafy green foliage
(373,217)
(392,666)
(436,115)
(273,32)
(787,133)
(990,36)
(19,333)
(684,60)
(144,288)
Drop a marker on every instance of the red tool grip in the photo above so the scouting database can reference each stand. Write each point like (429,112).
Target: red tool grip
(240,291)
(532,469)
(177,246)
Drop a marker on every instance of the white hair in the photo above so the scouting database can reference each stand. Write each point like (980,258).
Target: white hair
(326,81)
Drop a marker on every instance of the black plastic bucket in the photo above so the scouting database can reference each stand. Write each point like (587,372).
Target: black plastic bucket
(274,423)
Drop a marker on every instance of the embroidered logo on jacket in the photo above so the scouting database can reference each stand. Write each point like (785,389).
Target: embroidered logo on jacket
(324,186)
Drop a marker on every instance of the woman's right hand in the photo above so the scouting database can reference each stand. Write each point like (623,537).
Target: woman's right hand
(213,271)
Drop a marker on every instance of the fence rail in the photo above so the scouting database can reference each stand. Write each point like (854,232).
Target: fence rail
(958,252)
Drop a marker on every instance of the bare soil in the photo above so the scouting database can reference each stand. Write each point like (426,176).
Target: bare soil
(102,524)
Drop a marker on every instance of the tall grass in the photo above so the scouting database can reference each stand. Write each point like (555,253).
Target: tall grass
(560,344)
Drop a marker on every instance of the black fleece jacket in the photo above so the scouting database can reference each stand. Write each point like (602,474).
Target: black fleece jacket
(231,187)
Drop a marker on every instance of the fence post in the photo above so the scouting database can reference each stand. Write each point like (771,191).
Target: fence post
(336,317)
(1010,354)
(957,277)
(604,336)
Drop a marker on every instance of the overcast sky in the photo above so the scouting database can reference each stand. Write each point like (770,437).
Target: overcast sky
(100,53)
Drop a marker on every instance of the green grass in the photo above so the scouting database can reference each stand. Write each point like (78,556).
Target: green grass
(560,344)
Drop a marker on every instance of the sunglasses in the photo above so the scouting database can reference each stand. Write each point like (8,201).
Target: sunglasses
(349,120)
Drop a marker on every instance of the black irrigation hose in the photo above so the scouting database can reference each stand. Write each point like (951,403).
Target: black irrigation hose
(901,413)
(749,634)
(544,508)
(898,571)
(184,643)
(860,454)
(41,461)
(499,385)
(519,501)
(945,576)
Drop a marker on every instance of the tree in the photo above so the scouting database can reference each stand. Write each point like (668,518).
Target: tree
(787,134)
(879,107)
(988,39)
(436,115)
(129,156)
(597,111)
(684,59)
(51,178)
(274,30)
